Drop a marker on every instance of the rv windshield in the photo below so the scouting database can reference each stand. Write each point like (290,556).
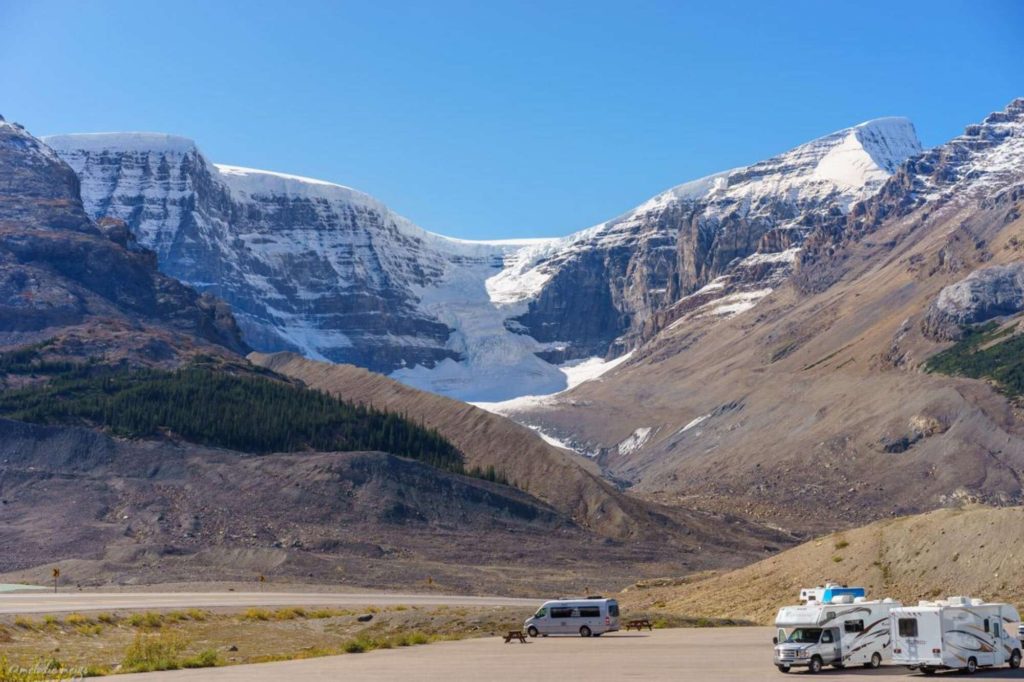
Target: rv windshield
(804,636)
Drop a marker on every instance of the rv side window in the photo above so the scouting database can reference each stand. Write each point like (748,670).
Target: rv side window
(986,625)
(995,629)
(829,615)
(590,612)
(854,626)
(561,612)
(613,610)
(908,627)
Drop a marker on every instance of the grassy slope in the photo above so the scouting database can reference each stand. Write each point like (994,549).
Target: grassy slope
(976,551)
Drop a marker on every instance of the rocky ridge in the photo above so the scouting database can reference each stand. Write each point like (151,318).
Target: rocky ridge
(86,289)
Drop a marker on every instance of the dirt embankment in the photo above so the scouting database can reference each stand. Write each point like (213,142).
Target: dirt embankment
(976,551)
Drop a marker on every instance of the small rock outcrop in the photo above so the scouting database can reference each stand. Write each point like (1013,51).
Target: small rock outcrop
(985,294)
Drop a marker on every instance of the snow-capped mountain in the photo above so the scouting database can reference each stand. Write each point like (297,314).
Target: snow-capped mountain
(330,272)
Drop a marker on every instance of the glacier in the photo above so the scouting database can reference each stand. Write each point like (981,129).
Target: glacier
(333,273)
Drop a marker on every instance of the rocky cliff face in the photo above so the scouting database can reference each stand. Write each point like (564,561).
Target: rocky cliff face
(334,274)
(62,274)
(737,233)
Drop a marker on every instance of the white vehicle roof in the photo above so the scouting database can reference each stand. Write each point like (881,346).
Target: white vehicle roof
(814,613)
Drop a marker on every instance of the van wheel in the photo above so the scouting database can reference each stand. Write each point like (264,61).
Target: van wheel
(532,631)
(585,631)
(1015,659)
(783,668)
(875,662)
(972,665)
(815,665)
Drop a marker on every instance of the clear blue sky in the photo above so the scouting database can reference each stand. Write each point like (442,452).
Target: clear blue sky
(502,119)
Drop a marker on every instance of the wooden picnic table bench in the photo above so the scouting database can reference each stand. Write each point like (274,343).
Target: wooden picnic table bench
(515,634)
(638,623)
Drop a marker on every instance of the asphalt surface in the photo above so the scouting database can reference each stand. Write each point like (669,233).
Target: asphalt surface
(35,602)
(712,655)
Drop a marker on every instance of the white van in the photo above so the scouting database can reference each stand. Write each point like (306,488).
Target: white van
(584,617)
(958,633)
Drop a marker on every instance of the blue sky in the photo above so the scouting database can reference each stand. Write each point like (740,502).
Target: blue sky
(505,119)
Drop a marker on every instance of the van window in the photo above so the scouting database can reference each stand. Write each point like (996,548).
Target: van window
(613,610)
(908,627)
(590,612)
(541,612)
(854,626)
(561,612)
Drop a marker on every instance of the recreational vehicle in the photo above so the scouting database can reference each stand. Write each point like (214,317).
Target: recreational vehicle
(957,632)
(585,617)
(837,628)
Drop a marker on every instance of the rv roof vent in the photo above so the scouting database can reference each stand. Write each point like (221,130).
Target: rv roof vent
(860,600)
(842,599)
(887,600)
(977,602)
(959,601)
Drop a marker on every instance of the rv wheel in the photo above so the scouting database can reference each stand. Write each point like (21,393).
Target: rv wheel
(783,668)
(532,631)
(876,661)
(927,671)
(815,666)
(585,631)
(1015,659)
(972,665)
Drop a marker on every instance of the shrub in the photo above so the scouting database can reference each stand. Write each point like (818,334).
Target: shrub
(107,618)
(149,619)
(842,544)
(204,659)
(196,615)
(354,646)
(77,619)
(256,614)
(289,614)
(24,623)
(148,653)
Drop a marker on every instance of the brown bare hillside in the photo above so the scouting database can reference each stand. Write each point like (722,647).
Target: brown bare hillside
(816,398)
(975,550)
(565,481)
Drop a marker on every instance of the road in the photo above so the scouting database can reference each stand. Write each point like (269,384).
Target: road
(711,655)
(35,602)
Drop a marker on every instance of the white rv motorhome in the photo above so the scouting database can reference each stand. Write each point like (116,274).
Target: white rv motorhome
(837,629)
(957,632)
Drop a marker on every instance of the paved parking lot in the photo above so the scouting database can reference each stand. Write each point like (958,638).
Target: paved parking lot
(712,654)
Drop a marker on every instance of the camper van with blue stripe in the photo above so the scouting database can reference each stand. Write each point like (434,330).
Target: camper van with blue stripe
(836,626)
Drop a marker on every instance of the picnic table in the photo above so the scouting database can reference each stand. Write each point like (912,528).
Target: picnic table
(638,623)
(515,634)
